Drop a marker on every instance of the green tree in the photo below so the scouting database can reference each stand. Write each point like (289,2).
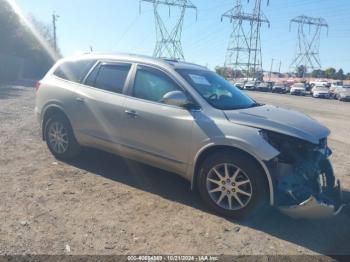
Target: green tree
(220,70)
(330,73)
(340,75)
(17,41)
(318,73)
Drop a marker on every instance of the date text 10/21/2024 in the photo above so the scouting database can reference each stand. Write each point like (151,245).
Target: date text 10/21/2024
(173,258)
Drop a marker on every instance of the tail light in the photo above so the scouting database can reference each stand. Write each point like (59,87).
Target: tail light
(37,85)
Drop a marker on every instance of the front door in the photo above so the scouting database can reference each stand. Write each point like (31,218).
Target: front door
(154,132)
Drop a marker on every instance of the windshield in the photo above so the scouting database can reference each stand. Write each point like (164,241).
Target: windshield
(215,90)
(299,85)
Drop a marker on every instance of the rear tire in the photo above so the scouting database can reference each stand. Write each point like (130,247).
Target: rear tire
(215,193)
(60,138)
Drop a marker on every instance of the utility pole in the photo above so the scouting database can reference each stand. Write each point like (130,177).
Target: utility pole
(271,69)
(168,39)
(54,20)
(279,68)
(244,49)
(308,44)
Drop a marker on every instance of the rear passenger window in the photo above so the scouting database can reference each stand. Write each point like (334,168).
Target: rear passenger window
(74,71)
(110,77)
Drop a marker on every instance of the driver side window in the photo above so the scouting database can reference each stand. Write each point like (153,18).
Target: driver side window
(152,85)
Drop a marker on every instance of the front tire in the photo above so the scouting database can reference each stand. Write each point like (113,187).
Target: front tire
(60,138)
(232,185)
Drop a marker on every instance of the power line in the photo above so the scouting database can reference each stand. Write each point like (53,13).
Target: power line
(54,20)
(271,68)
(244,49)
(168,40)
(308,45)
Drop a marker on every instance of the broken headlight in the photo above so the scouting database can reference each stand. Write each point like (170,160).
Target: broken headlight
(291,149)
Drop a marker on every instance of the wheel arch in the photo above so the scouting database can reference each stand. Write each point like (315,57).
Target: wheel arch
(211,149)
(51,110)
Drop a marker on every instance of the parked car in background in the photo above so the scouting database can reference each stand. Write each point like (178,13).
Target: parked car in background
(317,87)
(336,83)
(264,87)
(308,87)
(251,85)
(338,90)
(320,92)
(271,84)
(280,88)
(342,93)
(298,89)
(319,83)
(332,91)
(239,85)
(181,117)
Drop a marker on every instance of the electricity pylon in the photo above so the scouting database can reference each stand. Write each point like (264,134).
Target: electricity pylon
(308,46)
(168,39)
(244,49)
(54,27)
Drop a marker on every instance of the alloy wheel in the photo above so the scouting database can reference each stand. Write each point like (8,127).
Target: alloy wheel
(229,187)
(58,137)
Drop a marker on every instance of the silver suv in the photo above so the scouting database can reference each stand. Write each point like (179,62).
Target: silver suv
(186,119)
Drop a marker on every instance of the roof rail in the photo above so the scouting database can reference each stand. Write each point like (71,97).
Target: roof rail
(170,60)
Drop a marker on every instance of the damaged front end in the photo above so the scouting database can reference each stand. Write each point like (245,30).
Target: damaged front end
(304,181)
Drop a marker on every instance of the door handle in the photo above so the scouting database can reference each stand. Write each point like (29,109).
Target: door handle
(80,99)
(131,113)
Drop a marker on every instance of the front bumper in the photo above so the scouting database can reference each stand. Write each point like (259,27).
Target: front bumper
(322,95)
(298,92)
(278,90)
(306,187)
(313,208)
(345,98)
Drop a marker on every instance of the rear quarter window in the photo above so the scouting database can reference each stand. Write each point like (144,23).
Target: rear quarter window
(74,71)
(109,76)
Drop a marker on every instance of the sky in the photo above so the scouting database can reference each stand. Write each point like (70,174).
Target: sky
(110,26)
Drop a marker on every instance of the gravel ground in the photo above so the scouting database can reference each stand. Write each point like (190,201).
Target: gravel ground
(102,204)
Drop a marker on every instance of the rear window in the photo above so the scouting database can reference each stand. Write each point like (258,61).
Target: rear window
(74,71)
(109,77)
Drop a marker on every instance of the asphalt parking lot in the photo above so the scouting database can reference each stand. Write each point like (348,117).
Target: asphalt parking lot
(103,204)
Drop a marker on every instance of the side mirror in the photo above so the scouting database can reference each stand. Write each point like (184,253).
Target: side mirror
(176,98)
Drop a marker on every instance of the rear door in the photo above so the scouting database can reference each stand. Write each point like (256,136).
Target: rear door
(154,132)
(67,88)
(101,103)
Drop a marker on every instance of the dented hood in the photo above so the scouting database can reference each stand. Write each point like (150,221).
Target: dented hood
(280,120)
